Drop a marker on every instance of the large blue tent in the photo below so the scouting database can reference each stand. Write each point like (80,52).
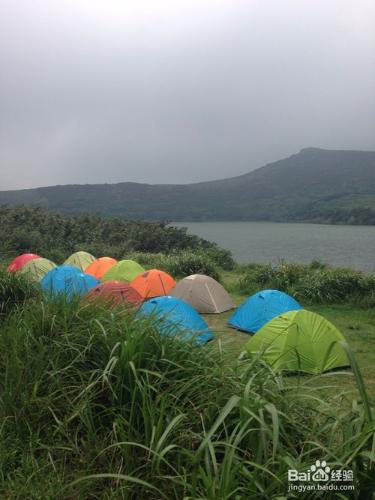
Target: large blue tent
(174,316)
(68,281)
(260,308)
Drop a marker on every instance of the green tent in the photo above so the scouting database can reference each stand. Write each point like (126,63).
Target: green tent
(36,269)
(299,341)
(124,270)
(80,260)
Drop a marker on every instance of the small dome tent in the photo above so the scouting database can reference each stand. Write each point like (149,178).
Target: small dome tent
(100,266)
(68,281)
(124,270)
(18,263)
(174,316)
(203,293)
(81,260)
(260,308)
(153,283)
(299,341)
(35,269)
(114,292)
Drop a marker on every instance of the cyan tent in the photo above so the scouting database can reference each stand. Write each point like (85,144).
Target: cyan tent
(260,308)
(174,316)
(68,281)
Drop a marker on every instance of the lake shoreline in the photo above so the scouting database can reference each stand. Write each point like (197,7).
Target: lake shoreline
(312,222)
(339,245)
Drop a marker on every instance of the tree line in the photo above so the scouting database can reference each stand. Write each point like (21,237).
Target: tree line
(55,236)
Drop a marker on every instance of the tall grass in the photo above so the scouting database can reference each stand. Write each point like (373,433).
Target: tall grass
(313,283)
(15,290)
(96,404)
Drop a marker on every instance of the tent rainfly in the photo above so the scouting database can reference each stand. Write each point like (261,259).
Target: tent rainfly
(175,317)
(36,269)
(299,341)
(124,270)
(153,283)
(260,308)
(203,293)
(100,266)
(81,260)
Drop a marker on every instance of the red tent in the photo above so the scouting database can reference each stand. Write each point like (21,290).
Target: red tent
(20,261)
(115,292)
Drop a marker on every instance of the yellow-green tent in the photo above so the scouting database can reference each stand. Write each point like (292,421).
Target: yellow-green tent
(299,341)
(36,269)
(80,260)
(124,270)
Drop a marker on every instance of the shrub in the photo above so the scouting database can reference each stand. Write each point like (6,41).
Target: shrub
(187,263)
(27,229)
(149,260)
(317,264)
(179,264)
(315,282)
(334,285)
(221,257)
(282,277)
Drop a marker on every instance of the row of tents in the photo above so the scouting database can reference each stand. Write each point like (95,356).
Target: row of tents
(122,281)
(174,306)
(285,335)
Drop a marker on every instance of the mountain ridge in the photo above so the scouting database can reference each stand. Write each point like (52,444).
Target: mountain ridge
(314,184)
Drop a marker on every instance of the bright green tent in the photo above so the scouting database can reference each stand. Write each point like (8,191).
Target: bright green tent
(124,270)
(299,341)
(36,269)
(80,260)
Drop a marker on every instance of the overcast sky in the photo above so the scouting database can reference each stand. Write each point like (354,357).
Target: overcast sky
(170,91)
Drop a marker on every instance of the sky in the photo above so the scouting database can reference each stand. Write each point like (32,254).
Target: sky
(176,91)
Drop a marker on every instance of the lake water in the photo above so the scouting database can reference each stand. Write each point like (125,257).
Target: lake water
(350,246)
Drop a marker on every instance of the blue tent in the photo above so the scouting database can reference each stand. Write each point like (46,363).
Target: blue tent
(173,315)
(260,308)
(67,280)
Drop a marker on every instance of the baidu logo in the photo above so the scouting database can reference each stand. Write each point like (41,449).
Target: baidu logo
(321,477)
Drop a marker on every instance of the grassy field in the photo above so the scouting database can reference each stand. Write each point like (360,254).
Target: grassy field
(356,323)
(95,404)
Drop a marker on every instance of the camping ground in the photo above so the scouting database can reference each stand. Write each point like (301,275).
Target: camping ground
(96,405)
(356,323)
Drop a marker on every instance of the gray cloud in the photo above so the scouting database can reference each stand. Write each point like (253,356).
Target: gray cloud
(165,91)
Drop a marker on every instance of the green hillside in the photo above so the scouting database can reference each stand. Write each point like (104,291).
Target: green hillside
(313,185)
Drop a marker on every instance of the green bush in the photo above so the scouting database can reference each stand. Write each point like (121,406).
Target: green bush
(281,277)
(179,264)
(187,263)
(315,282)
(27,229)
(221,257)
(335,285)
(149,260)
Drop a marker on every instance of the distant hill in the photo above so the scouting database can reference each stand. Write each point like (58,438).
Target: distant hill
(313,185)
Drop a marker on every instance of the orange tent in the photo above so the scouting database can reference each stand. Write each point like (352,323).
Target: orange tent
(153,283)
(99,267)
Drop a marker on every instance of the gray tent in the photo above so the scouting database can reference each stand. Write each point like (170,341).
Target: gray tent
(204,293)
